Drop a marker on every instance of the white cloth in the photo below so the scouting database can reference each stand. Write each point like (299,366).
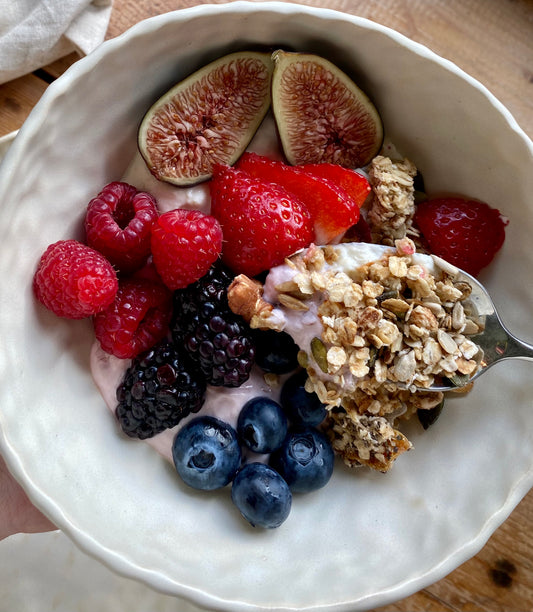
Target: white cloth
(34,33)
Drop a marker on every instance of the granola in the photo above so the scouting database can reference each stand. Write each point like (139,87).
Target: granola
(392,205)
(372,337)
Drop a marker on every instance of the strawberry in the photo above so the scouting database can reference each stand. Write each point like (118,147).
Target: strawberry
(332,209)
(185,243)
(354,184)
(466,233)
(262,223)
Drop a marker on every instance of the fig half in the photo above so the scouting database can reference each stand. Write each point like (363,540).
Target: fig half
(208,118)
(321,114)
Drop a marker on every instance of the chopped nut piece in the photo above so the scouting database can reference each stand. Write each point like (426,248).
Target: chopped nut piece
(395,305)
(466,366)
(245,298)
(291,302)
(447,342)
(369,318)
(288,287)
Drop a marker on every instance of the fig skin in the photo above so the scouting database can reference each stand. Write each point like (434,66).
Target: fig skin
(321,114)
(208,118)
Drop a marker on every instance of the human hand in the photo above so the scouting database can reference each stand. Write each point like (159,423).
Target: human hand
(17,513)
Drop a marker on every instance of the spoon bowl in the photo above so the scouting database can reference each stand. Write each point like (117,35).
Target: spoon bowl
(496,342)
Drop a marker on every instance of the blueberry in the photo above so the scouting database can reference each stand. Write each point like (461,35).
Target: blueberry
(262,425)
(299,405)
(261,495)
(305,460)
(275,352)
(206,453)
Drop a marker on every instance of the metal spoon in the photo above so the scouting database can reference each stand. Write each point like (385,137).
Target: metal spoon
(496,341)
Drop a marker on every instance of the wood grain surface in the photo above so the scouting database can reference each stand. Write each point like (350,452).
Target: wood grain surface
(492,40)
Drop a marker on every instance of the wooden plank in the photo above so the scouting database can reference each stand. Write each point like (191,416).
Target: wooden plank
(17,98)
(56,69)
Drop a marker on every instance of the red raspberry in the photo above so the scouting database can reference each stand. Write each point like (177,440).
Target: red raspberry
(147,272)
(466,233)
(74,281)
(185,244)
(332,209)
(137,319)
(262,222)
(118,224)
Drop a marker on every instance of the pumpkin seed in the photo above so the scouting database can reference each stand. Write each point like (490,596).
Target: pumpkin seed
(320,354)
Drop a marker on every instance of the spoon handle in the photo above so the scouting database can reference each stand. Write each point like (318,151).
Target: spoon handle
(498,343)
(517,348)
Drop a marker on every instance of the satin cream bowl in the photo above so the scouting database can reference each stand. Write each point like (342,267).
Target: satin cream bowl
(366,540)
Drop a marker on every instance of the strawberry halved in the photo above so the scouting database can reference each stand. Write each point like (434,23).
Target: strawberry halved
(332,210)
(262,223)
(353,183)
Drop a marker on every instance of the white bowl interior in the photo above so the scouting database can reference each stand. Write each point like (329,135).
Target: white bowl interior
(367,539)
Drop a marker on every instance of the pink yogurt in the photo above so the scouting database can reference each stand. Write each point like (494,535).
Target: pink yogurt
(222,402)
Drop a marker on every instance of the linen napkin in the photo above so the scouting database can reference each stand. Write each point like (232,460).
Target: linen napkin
(34,33)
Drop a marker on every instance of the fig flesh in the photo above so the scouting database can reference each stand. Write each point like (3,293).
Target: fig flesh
(208,118)
(321,114)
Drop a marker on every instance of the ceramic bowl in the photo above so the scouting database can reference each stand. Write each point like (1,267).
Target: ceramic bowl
(368,538)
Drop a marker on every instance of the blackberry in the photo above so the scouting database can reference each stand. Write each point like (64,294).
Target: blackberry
(160,388)
(218,340)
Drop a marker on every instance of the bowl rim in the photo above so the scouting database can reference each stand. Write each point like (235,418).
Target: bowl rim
(41,499)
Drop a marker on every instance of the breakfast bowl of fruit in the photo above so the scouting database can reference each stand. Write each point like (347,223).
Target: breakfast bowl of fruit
(244,318)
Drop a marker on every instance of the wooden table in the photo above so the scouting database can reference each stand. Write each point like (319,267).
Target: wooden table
(493,41)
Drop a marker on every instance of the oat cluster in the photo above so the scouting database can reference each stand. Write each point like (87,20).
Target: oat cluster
(392,206)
